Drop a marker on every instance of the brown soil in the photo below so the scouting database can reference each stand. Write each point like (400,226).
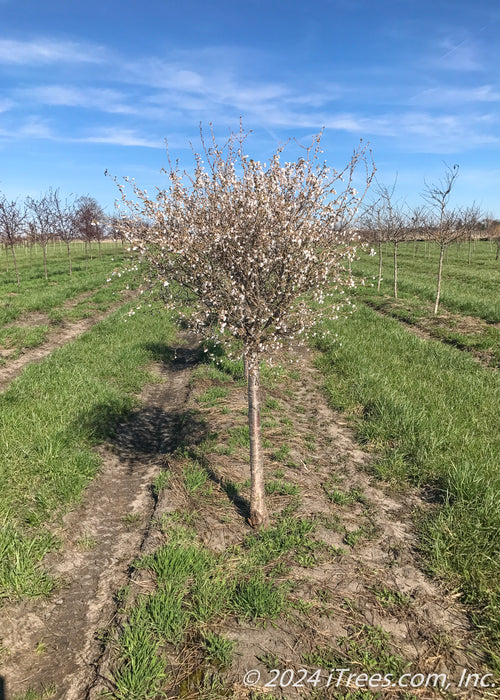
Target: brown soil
(54,644)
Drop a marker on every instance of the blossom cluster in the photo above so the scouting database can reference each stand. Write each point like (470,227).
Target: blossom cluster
(261,249)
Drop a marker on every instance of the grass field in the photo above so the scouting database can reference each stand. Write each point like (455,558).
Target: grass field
(432,412)
(61,298)
(50,418)
(425,411)
(466,289)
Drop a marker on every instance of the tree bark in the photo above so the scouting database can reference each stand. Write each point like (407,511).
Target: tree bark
(69,258)
(440,272)
(258,511)
(44,247)
(395,270)
(379,265)
(15,265)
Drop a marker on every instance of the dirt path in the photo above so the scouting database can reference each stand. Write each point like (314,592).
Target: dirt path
(57,337)
(54,644)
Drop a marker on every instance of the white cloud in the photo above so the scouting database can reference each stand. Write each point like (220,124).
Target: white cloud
(443,95)
(120,137)
(47,51)
(32,128)
(105,100)
(209,85)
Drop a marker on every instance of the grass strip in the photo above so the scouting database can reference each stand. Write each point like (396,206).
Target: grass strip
(434,414)
(467,289)
(50,417)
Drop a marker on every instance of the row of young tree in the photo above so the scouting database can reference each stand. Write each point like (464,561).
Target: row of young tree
(52,218)
(386,220)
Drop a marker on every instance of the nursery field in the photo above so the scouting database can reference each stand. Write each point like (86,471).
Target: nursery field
(41,314)
(128,568)
(35,294)
(469,313)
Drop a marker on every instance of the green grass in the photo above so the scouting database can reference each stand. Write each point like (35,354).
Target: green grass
(23,337)
(289,534)
(195,478)
(258,598)
(218,649)
(282,488)
(433,413)
(142,670)
(391,599)
(50,417)
(49,296)
(195,588)
(212,395)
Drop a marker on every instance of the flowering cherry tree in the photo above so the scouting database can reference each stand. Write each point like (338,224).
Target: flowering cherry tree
(256,249)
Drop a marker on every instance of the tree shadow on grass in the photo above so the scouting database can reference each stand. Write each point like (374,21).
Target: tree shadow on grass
(157,428)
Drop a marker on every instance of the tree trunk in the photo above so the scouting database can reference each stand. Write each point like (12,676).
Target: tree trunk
(379,265)
(470,250)
(395,270)
(258,512)
(15,265)
(44,247)
(440,272)
(69,258)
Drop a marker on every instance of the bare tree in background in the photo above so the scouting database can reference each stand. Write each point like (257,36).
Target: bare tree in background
(371,233)
(64,221)
(393,222)
(89,222)
(41,223)
(442,224)
(244,243)
(388,222)
(12,218)
(115,225)
(470,223)
(493,233)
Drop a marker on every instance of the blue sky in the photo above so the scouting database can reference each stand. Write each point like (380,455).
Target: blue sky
(88,86)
